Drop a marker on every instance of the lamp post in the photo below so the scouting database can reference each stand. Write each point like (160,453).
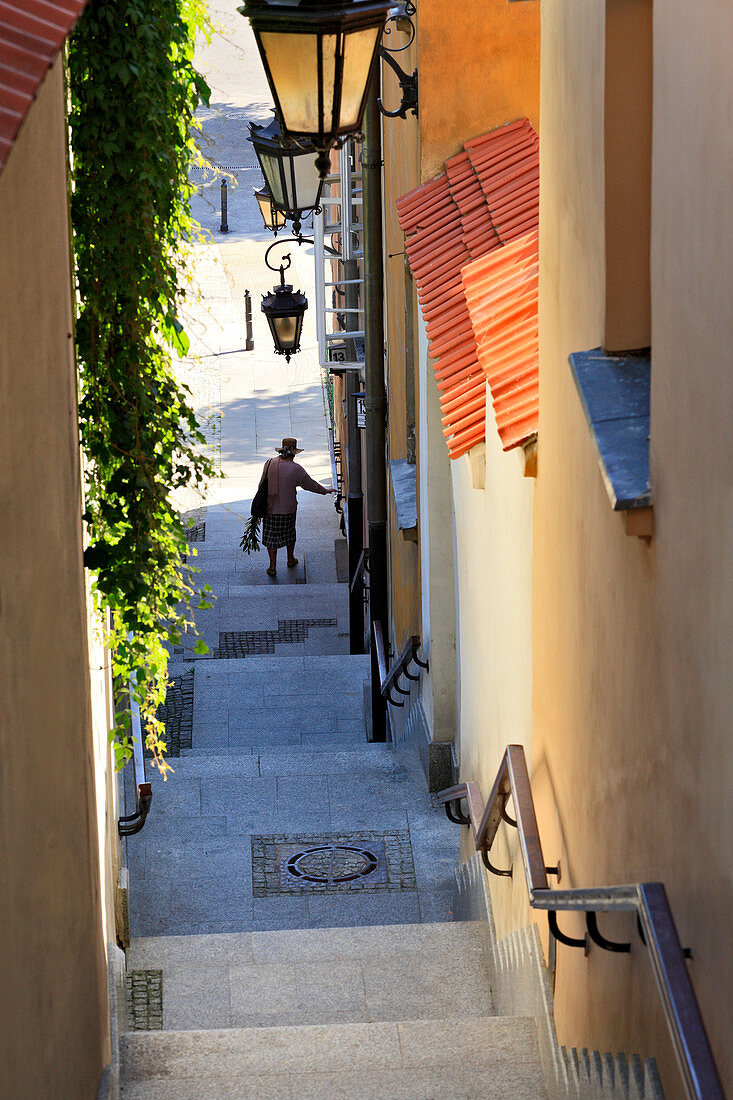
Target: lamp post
(317,56)
(289,169)
(284,310)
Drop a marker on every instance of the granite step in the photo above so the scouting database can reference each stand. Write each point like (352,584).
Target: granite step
(319,976)
(481,1058)
(379,760)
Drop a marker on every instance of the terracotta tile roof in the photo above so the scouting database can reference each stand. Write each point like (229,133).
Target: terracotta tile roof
(501,292)
(487,197)
(31,34)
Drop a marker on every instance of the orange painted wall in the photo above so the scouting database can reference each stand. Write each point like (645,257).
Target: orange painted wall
(479,67)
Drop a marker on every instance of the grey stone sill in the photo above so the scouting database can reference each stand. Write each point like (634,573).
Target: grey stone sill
(404,492)
(614,392)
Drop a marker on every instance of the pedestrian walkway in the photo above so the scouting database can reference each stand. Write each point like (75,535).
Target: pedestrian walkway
(270,762)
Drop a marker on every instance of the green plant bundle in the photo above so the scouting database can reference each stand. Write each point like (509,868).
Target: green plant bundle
(250,540)
(133,93)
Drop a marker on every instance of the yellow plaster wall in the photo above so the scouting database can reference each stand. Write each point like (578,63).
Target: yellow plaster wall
(632,756)
(53,1011)
(494,626)
(478,68)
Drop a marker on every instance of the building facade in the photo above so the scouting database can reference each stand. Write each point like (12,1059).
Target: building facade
(59,852)
(571,586)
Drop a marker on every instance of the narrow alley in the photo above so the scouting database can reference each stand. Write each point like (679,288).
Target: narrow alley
(447,782)
(290,874)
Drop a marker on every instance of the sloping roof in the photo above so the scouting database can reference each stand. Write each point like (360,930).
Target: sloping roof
(437,252)
(31,34)
(487,197)
(501,292)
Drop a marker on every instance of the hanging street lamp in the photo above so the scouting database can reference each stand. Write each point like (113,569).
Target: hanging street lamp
(289,169)
(318,57)
(273,219)
(284,310)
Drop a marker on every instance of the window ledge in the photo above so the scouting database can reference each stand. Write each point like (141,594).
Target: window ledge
(404,491)
(614,391)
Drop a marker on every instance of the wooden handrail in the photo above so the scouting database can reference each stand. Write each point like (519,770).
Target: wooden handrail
(647,899)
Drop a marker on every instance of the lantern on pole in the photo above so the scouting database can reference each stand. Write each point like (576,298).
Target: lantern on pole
(289,169)
(284,310)
(318,57)
(273,219)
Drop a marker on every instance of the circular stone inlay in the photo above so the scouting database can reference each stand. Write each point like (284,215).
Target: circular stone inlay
(332,863)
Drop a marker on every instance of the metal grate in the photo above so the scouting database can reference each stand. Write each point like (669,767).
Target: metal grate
(252,643)
(332,863)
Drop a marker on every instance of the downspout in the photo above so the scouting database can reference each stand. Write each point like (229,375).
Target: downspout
(375,403)
(355,498)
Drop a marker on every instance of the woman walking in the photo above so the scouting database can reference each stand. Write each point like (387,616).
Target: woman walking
(284,476)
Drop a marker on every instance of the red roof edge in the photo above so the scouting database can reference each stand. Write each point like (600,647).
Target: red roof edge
(32,33)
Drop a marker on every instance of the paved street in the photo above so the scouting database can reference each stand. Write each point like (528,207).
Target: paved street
(266,732)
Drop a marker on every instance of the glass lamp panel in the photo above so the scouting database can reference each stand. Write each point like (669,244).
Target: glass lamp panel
(266,207)
(286,330)
(359,46)
(307,181)
(293,63)
(273,178)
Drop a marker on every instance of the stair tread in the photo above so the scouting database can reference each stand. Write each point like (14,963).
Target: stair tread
(504,1047)
(290,945)
(319,976)
(377,759)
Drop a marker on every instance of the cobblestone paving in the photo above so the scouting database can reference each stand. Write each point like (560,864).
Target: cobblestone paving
(144,990)
(197,531)
(248,643)
(176,713)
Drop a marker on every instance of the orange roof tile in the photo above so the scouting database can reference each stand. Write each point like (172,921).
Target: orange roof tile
(501,292)
(437,250)
(31,34)
(487,198)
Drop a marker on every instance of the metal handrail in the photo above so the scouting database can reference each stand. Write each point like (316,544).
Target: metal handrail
(647,899)
(389,678)
(362,567)
(133,823)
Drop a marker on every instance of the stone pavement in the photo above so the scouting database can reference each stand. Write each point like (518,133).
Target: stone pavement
(266,732)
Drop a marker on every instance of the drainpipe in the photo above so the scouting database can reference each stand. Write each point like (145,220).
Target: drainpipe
(375,403)
(355,498)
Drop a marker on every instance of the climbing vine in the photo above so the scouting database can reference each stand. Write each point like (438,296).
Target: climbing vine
(133,93)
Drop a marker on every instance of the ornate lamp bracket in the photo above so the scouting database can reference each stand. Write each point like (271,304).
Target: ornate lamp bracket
(402,18)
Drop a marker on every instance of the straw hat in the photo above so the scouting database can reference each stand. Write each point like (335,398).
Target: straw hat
(289,444)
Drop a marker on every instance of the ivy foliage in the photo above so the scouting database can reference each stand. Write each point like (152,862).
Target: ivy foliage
(133,93)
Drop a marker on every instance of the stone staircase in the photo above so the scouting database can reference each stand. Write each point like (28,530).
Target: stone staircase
(396,1011)
(257,971)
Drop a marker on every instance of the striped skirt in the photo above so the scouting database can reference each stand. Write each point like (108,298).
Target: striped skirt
(278,530)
